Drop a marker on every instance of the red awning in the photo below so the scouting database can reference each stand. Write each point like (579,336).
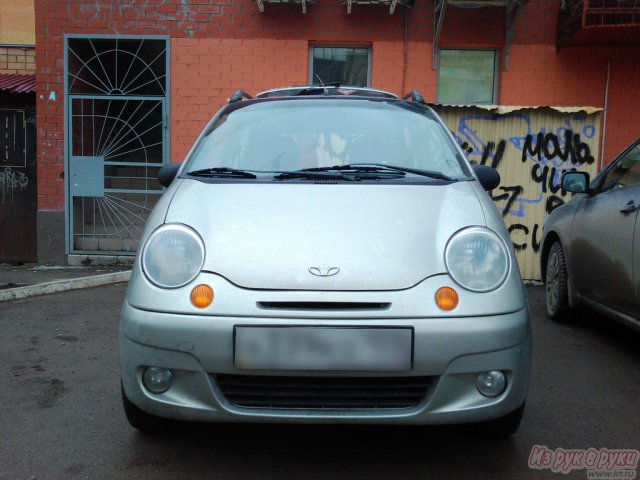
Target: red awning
(17,83)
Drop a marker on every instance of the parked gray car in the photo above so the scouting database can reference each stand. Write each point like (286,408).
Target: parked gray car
(591,245)
(326,255)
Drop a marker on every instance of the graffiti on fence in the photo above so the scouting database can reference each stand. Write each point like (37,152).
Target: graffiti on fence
(531,149)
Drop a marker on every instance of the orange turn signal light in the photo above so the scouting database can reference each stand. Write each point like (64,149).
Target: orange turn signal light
(446,298)
(202,296)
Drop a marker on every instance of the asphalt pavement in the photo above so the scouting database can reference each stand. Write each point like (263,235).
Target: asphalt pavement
(61,417)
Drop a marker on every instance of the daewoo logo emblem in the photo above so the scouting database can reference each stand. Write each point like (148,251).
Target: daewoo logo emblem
(324,271)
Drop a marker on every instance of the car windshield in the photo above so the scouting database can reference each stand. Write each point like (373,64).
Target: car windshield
(294,135)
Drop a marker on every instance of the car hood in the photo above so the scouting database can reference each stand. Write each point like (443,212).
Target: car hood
(311,236)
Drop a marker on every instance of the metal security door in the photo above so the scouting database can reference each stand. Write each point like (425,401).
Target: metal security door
(117,140)
(17,180)
(116,152)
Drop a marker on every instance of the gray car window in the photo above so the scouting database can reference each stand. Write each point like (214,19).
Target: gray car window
(294,135)
(625,172)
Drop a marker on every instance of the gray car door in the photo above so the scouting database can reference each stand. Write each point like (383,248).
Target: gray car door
(635,310)
(602,243)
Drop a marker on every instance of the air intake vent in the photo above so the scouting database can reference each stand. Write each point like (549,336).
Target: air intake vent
(323,392)
(323,305)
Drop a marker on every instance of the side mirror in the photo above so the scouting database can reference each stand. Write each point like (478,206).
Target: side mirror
(575,182)
(167,173)
(489,177)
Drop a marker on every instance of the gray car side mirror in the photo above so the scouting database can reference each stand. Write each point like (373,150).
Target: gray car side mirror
(167,173)
(489,177)
(575,182)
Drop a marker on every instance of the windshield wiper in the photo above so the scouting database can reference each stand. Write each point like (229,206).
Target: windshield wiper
(221,172)
(309,174)
(380,168)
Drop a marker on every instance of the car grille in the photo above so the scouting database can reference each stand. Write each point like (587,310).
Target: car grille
(323,392)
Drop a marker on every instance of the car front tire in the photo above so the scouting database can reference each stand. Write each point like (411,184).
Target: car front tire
(503,426)
(556,281)
(141,420)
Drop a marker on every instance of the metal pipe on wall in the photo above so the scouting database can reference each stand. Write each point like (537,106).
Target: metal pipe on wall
(604,115)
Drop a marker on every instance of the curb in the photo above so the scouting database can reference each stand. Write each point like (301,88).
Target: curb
(63,285)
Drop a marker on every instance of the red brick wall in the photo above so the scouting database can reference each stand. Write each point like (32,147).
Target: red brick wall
(218,48)
(50,20)
(205,72)
(623,112)
(576,76)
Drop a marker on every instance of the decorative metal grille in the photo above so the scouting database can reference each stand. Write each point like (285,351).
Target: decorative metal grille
(117,140)
(117,66)
(117,129)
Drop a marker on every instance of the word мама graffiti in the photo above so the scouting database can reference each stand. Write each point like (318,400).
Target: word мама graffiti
(531,148)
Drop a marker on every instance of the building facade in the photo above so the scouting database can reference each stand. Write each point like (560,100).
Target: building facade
(124,87)
(18,202)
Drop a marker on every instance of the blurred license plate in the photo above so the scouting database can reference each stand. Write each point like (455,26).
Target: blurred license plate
(323,348)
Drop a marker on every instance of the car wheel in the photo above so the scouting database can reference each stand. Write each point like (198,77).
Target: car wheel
(141,420)
(556,285)
(502,426)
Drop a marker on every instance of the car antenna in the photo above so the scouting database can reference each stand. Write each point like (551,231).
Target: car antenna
(324,87)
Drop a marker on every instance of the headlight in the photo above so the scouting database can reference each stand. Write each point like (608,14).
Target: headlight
(477,259)
(172,256)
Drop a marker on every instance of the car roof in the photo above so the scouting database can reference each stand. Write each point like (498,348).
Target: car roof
(326,90)
(241,99)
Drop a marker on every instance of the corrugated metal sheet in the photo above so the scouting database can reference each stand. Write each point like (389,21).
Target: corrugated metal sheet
(515,108)
(17,22)
(530,147)
(17,83)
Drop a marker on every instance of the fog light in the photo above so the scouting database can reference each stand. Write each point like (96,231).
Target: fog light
(157,379)
(491,384)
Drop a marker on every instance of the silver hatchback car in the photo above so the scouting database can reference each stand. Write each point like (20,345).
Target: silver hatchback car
(326,255)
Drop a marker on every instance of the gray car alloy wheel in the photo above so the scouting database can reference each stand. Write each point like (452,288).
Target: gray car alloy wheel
(556,281)
(553,279)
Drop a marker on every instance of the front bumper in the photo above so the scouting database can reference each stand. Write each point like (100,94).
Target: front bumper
(451,351)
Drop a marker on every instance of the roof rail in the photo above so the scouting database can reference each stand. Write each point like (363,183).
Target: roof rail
(415,96)
(238,95)
(328,89)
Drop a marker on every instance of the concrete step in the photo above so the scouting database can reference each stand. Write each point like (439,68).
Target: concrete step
(111,244)
(135,227)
